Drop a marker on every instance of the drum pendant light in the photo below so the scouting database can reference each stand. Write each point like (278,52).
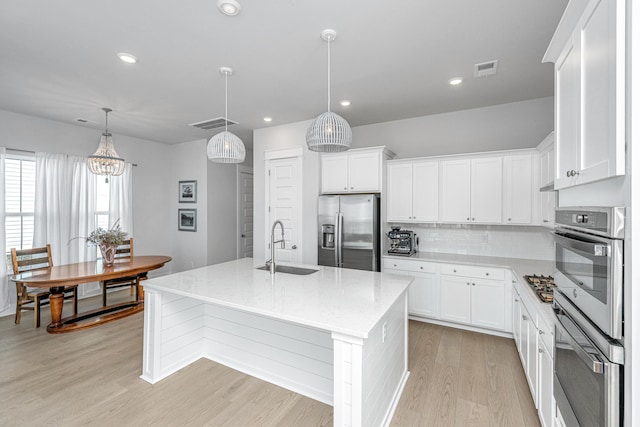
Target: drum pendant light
(106,161)
(329,132)
(225,147)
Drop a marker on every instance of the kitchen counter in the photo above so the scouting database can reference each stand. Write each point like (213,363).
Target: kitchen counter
(337,335)
(519,266)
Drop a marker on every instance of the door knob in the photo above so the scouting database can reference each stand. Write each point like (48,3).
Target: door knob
(294,247)
(242,235)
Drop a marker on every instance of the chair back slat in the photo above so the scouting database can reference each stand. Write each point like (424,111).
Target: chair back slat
(31,259)
(125,250)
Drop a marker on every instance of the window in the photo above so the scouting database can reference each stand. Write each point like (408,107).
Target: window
(102,204)
(20,186)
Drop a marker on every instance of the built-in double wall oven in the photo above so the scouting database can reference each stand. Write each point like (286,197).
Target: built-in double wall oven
(588,303)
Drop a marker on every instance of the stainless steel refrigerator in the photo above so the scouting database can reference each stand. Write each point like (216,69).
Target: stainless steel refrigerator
(349,231)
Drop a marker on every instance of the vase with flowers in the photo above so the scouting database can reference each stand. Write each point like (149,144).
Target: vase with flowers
(108,241)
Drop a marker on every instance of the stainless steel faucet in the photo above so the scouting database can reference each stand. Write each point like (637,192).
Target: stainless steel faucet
(272,263)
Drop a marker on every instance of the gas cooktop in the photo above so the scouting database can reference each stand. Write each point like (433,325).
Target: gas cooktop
(542,286)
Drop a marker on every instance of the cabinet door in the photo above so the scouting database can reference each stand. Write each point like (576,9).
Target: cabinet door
(567,112)
(487,303)
(517,328)
(546,402)
(400,192)
(486,190)
(426,187)
(602,96)
(364,172)
(455,299)
(531,368)
(518,194)
(456,191)
(424,296)
(334,173)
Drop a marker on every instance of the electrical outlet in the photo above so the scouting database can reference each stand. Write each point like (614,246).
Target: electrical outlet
(384,332)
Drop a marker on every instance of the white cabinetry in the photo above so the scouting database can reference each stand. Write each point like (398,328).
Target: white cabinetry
(518,189)
(589,55)
(355,171)
(472,190)
(424,292)
(413,189)
(474,296)
(548,198)
(533,334)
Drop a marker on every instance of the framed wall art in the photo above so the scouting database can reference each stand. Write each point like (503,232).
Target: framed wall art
(187,191)
(187,219)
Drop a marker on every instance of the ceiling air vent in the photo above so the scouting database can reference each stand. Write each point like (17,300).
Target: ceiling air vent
(218,122)
(486,69)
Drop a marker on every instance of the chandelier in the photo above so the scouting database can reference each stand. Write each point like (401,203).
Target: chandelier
(225,147)
(329,132)
(106,161)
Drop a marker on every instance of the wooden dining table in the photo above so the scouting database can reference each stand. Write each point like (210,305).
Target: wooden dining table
(57,277)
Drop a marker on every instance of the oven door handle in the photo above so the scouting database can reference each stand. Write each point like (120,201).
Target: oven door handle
(588,359)
(591,249)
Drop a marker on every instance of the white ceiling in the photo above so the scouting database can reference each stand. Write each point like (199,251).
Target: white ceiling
(392,59)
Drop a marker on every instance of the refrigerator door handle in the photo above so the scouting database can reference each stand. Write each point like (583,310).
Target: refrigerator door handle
(339,239)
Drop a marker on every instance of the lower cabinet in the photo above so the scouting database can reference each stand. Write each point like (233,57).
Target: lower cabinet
(533,335)
(423,295)
(468,295)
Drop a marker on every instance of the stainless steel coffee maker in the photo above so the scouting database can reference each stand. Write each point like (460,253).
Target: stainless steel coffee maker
(403,242)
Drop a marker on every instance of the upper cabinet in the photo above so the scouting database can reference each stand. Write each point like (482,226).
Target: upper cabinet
(518,197)
(472,190)
(413,188)
(548,197)
(588,50)
(353,171)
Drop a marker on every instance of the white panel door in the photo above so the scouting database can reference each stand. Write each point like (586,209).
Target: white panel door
(426,189)
(546,401)
(486,190)
(424,298)
(284,205)
(399,194)
(364,172)
(455,299)
(567,112)
(487,303)
(518,189)
(456,189)
(334,173)
(245,214)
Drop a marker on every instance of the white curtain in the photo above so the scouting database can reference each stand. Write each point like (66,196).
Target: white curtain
(5,294)
(121,199)
(65,209)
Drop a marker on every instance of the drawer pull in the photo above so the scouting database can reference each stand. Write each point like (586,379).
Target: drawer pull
(524,317)
(541,332)
(540,351)
(421,268)
(486,274)
(455,271)
(473,284)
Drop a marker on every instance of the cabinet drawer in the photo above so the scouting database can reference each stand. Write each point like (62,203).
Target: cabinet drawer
(491,273)
(409,265)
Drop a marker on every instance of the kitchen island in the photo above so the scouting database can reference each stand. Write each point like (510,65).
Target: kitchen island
(337,335)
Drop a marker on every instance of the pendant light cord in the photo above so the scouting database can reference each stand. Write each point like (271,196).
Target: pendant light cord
(106,122)
(329,74)
(226,113)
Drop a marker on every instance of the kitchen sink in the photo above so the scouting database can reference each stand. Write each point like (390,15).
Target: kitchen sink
(289,269)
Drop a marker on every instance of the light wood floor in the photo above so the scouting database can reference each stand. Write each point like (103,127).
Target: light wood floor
(91,377)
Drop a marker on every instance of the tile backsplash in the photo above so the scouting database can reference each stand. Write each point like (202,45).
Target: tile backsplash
(488,240)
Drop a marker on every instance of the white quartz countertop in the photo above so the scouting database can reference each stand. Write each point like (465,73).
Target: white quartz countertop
(334,299)
(520,267)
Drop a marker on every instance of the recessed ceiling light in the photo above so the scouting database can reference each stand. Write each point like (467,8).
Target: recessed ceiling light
(455,81)
(229,7)
(267,119)
(127,57)
(345,102)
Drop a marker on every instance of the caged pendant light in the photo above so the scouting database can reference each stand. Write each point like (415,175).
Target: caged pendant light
(225,147)
(106,161)
(329,132)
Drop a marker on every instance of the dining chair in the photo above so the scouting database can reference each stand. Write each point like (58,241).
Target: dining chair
(123,253)
(25,260)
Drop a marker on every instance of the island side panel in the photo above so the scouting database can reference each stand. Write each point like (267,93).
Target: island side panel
(370,373)
(296,357)
(173,334)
